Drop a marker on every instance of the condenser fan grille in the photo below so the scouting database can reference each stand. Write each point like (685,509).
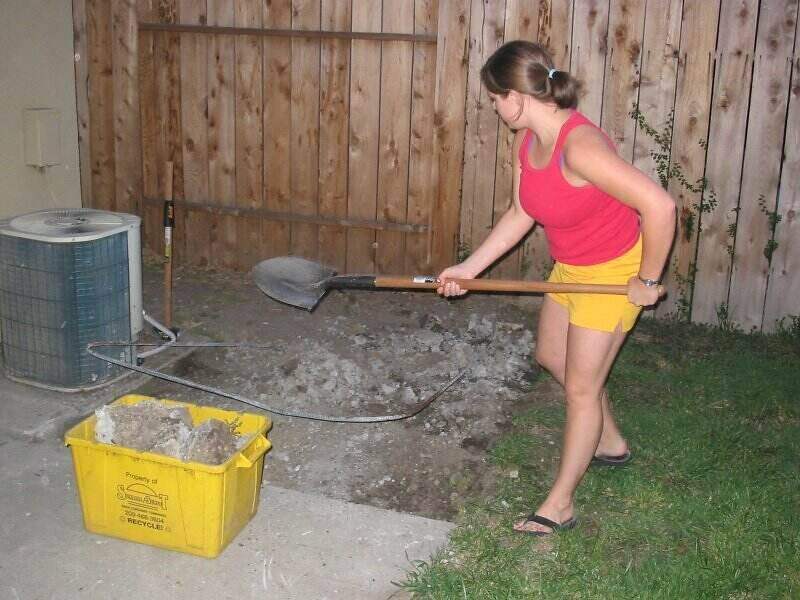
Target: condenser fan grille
(72,225)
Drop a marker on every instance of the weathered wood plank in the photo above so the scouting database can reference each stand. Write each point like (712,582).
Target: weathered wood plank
(487,18)
(249,132)
(149,128)
(292,33)
(194,129)
(555,30)
(762,160)
(451,82)
(555,33)
(623,71)
(277,91)
(420,184)
(221,134)
(732,79)
(656,101)
(692,110)
(521,22)
(101,105)
(127,140)
(168,127)
(590,38)
(333,127)
(395,121)
(81,47)
(783,293)
(305,129)
(365,67)
(660,51)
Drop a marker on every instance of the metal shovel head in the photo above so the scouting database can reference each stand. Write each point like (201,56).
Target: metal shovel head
(292,280)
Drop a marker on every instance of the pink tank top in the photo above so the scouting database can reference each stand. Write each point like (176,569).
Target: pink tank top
(583,225)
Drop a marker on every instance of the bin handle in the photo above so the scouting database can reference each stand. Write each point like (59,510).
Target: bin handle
(254,450)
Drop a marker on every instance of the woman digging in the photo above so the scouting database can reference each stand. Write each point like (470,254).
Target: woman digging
(605,222)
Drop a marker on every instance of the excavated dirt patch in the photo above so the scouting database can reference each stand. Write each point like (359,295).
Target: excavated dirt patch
(363,353)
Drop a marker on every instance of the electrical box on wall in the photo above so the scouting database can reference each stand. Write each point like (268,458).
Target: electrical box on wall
(42,127)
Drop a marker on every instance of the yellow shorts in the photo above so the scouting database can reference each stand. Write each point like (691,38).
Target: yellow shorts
(603,312)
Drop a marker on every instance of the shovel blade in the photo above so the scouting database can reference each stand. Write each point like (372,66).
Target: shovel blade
(292,280)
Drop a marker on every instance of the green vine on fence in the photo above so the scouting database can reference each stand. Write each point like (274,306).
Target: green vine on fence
(773,218)
(667,170)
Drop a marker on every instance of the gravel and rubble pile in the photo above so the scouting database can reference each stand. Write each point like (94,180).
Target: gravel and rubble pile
(151,426)
(400,366)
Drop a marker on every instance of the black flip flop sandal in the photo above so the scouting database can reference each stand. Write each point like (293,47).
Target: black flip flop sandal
(612,461)
(534,518)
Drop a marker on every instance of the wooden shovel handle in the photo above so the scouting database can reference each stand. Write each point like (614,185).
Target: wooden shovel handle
(497,285)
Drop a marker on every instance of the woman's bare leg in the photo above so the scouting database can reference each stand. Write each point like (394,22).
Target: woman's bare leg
(589,357)
(551,354)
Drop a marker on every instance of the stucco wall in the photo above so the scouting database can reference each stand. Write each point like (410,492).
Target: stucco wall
(37,71)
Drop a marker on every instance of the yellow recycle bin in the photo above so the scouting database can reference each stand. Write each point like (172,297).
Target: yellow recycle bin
(166,502)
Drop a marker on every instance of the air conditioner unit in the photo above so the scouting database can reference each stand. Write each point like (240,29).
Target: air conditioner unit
(68,277)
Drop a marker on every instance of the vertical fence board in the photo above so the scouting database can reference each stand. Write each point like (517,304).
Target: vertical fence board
(305,127)
(277,92)
(625,33)
(82,49)
(555,30)
(656,99)
(589,49)
(149,127)
(657,83)
(365,68)
(194,130)
(522,22)
(221,134)
(555,33)
(783,293)
(101,105)
(692,108)
(486,23)
(249,134)
(127,151)
(333,125)
(737,32)
(451,82)
(395,120)
(169,142)
(420,192)
(763,152)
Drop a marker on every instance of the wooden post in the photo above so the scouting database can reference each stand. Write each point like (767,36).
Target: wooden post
(169,224)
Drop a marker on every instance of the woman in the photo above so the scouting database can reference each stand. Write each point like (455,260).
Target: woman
(605,222)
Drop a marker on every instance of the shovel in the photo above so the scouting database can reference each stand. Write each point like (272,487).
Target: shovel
(303,283)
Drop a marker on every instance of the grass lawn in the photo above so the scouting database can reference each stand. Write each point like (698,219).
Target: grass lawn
(709,508)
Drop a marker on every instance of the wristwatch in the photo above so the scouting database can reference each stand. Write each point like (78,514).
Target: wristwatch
(648,282)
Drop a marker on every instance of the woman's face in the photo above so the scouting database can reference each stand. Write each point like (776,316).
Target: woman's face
(507,107)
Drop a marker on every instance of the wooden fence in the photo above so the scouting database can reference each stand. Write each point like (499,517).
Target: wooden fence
(718,81)
(320,128)
(356,132)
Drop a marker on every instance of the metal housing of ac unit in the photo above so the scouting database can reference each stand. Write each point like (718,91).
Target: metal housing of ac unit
(68,277)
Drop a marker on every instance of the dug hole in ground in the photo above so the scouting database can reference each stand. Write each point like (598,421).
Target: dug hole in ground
(362,353)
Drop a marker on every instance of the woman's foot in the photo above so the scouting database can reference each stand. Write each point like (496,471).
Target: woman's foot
(559,518)
(616,452)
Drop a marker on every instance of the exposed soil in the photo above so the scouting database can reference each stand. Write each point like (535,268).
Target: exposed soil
(362,353)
